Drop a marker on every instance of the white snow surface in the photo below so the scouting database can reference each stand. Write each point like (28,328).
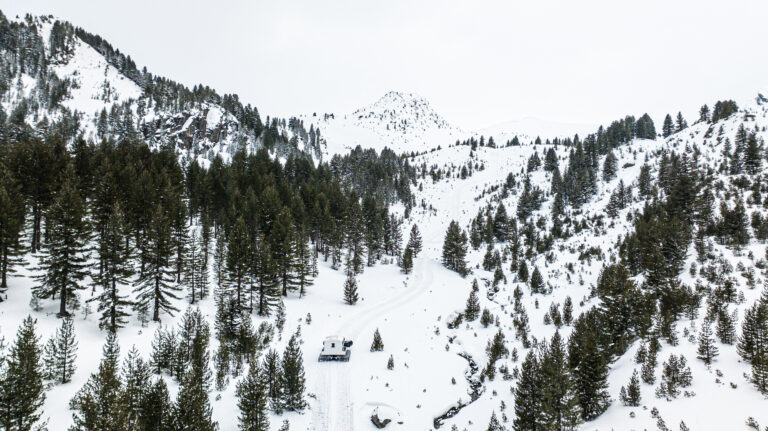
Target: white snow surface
(411,310)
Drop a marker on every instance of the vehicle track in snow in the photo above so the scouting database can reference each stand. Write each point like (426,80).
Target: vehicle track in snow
(335,407)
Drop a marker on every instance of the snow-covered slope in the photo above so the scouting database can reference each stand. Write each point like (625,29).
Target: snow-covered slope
(407,123)
(402,122)
(436,367)
(529,128)
(118,102)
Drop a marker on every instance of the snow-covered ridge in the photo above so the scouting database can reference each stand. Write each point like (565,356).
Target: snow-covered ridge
(115,101)
(396,111)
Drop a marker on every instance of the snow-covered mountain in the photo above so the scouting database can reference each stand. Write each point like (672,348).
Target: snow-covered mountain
(441,375)
(402,122)
(80,76)
(407,123)
(401,113)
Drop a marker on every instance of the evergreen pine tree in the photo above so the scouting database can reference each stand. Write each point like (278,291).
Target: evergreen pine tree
(157,409)
(648,370)
(610,166)
(293,376)
(116,268)
(350,290)
(559,401)
(753,343)
(680,123)
(253,400)
(136,376)
(455,249)
(522,271)
(64,259)
(303,264)
(472,310)
(406,262)
(220,258)
(704,114)
(644,180)
(528,395)
(568,310)
(414,240)
(193,409)
(589,370)
(237,262)
(264,271)
(282,243)
(274,379)
(494,424)
(537,282)
(501,223)
(377,345)
(12,213)
(753,158)
(725,328)
(63,352)
(22,392)
(707,349)
(155,287)
(669,127)
(631,395)
(98,405)
(197,269)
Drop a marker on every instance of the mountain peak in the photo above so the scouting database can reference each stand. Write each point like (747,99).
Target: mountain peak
(401,112)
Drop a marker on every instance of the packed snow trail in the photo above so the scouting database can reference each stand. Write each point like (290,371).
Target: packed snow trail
(335,407)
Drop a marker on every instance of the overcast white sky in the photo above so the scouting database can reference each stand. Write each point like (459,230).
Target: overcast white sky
(478,62)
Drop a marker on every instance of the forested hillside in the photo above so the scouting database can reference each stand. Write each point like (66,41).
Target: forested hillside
(171,261)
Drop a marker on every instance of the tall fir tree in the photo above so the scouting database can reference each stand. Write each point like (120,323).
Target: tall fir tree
(406,261)
(753,342)
(197,269)
(303,264)
(156,287)
(264,271)
(274,378)
(193,408)
(220,257)
(237,262)
(589,367)
(528,395)
(253,400)
(669,126)
(455,249)
(62,353)
(293,376)
(65,253)
(415,241)
(136,376)
(98,405)
(282,243)
(116,269)
(560,408)
(610,166)
(350,290)
(12,212)
(472,309)
(156,408)
(22,392)
(707,350)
